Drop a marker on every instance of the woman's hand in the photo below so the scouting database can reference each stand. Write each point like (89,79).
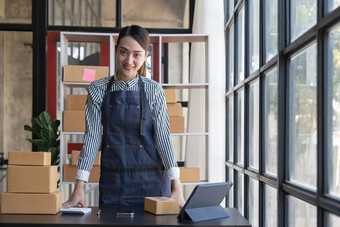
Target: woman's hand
(78,197)
(176,192)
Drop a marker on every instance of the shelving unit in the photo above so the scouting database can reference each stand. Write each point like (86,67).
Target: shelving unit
(157,41)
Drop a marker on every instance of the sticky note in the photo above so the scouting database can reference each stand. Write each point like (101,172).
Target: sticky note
(89,74)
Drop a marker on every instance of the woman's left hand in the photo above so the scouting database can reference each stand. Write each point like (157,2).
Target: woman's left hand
(176,192)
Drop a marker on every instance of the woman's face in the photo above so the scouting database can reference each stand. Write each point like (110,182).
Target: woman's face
(130,57)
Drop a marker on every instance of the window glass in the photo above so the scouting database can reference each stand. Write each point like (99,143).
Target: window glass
(302,16)
(240,45)
(331,220)
(301,213)
(303,134)
(16,11)
(230,8)
(270,206)
(97,13)
(231,191)
(253,202)
(240,192)
(230,128)
(333,4)
(254,118)
(254,35)
(230,58)
(270,28)
(334,71)
(16,96)
(156,13)
(240,127)
(270,121)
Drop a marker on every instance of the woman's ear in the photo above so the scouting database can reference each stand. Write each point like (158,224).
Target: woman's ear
(146,54)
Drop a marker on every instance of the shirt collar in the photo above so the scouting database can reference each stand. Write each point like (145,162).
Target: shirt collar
(125,84)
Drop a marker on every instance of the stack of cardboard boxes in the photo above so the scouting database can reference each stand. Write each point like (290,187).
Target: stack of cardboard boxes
(176,119)
(70,171)
(177,126)
(31,184)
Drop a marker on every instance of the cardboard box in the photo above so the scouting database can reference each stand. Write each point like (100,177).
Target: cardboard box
(73,121)
(161,205)
(75,155)
(74,73)
(70,172)
(189,174)
(32,179)
(29,158)
(176,124)
(174,109)
(17,203)
(170,95)
(76,102)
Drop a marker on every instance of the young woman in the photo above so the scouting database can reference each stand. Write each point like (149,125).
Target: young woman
(137,151)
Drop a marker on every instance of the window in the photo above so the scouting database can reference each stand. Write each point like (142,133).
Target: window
(16,11)
(284,78)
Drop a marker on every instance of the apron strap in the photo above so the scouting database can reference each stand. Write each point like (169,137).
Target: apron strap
(143,105)
(109,85)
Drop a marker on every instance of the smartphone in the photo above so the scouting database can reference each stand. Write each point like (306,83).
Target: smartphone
(125,212)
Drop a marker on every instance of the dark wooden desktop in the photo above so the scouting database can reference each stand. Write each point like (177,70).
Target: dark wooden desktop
(107,218)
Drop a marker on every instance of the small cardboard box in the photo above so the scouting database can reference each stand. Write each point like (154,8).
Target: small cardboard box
(18,203)
(161,205)
(74,73)
(70,172)
(75,155)
(189,174)
(170,95)
(176,124)
(174,109)
(73,121)
(76,102)
(32,179)
(29,158)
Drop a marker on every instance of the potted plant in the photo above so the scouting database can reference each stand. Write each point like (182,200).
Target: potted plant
(46,135)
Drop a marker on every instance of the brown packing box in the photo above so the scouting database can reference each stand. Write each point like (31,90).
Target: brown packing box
(74,73)
(76,102)
(70,172)
(189,174)
(75,155)
(176,124)
(18,203)
(170,95)
(161,205)
(29,158)
(73,121)
(32,179)
(174,109)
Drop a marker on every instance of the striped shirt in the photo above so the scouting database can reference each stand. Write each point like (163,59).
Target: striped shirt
(93,135)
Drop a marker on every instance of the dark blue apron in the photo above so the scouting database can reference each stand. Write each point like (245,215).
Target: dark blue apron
(131,168)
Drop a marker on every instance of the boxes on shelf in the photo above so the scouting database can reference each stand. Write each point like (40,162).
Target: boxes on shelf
(32,179)
(84,73)
(76,102)
(20,203)
(189,174)
(170,95)
(73,121)
(177,124)
(70,172)
(174,109)
(75,155)
(29,158)
(161,205)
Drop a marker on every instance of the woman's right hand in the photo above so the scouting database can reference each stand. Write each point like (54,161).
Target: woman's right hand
(77,197)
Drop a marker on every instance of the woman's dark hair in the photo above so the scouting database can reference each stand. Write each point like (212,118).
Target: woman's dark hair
(139,34)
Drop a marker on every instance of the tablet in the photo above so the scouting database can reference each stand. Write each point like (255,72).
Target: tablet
(206,197)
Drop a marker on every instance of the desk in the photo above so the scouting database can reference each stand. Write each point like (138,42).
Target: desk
(141,218)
